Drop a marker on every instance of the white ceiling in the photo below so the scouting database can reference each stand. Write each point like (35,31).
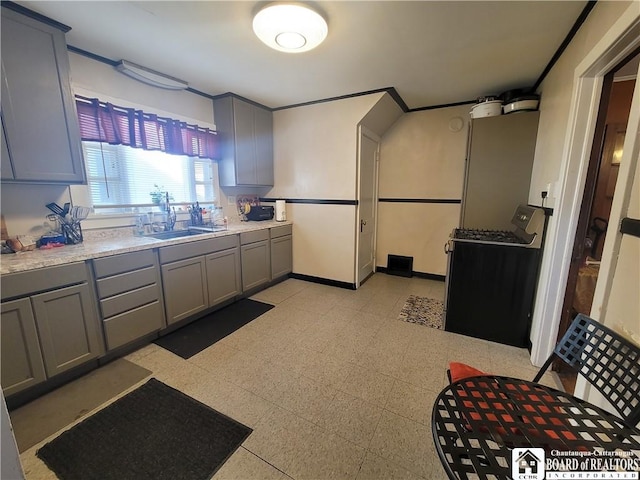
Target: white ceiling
(432,53)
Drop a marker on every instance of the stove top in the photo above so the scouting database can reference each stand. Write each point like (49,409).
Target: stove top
(495,236)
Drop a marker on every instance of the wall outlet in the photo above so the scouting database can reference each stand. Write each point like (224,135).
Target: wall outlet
(231,200)
(548,189)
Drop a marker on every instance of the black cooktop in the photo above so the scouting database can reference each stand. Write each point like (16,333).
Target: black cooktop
(499,236)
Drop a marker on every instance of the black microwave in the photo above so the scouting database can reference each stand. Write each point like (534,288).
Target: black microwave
(260,212)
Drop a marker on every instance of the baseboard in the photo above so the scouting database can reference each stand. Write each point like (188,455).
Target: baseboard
(324,281)
(428,276)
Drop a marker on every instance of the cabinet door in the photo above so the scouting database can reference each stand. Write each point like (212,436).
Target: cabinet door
(245,142)
(6,170)
(263,127)
(22,365)
(256,264)
(281,259)
(68,327)
(185,288)
(37,104)
(223,275)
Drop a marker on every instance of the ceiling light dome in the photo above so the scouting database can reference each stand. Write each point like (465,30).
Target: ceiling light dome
(290,27)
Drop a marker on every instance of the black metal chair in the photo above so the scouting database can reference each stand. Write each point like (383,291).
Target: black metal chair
(607,360)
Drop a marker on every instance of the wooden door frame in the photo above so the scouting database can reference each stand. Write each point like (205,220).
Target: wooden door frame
(582,228)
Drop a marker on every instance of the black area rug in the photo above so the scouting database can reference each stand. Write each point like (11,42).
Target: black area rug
(154,432)
(195,337)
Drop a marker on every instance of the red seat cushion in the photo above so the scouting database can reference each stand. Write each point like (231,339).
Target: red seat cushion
(460,371)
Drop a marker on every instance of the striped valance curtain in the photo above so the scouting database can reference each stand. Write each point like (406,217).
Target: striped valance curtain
(105,122)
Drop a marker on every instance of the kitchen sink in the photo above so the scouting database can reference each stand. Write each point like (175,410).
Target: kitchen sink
(185,233)
(173,234)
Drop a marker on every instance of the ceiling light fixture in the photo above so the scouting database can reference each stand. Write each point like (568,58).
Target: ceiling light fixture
(150,77)
(290,27)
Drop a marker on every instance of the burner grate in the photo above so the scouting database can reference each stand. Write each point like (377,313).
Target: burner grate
(499,236)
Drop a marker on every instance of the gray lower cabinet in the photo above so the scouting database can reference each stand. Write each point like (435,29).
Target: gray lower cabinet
(38,108)
(223,275)
(199,275)
(281,251)
(256,259)
(22,364)
(130,296)
(67,327)
(49,324)
(185,288)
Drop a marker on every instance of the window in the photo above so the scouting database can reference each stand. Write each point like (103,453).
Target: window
(121,178)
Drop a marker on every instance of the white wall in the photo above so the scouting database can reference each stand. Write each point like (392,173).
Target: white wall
(421,158)
(623,304)
(552,164)
(315,156)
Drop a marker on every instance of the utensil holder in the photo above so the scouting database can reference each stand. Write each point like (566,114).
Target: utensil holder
(72,233)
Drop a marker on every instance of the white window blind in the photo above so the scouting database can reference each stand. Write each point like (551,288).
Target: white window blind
(122,178)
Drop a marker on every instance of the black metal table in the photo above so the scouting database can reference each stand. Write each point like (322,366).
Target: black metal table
(477,422)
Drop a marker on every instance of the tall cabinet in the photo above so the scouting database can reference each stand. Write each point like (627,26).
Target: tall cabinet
(40,133)
(246,131)
(498,169)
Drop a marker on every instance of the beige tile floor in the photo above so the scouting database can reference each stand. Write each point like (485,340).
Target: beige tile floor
(332,383)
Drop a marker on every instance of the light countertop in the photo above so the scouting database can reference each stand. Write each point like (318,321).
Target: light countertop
(95,247)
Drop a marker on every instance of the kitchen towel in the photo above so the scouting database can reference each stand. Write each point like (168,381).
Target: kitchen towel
(281,211)
(154,432)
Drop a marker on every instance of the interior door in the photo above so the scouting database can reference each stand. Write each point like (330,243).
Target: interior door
(369,145)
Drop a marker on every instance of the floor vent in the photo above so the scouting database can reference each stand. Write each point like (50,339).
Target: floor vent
(400,265)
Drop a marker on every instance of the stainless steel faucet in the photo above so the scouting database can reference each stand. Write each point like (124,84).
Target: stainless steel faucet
(171,215)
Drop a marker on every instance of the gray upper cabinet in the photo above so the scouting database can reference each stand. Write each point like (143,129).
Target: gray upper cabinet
(246,131)
(38,109)
(6,171)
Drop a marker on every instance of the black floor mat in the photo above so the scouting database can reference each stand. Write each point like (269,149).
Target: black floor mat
(154,432)
(198,335)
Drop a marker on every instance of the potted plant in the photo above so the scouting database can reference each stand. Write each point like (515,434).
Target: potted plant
(159,195)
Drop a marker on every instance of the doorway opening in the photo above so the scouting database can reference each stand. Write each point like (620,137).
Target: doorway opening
(602,174)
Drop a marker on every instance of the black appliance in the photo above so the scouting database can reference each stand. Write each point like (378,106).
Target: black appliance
(491,279)
(260,212)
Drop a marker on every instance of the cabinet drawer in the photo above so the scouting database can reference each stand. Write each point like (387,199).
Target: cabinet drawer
(128,301)
(281,231)
(43,279)
(125,262)
(130,326)
(107,287)
(255,236)
(194,249)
